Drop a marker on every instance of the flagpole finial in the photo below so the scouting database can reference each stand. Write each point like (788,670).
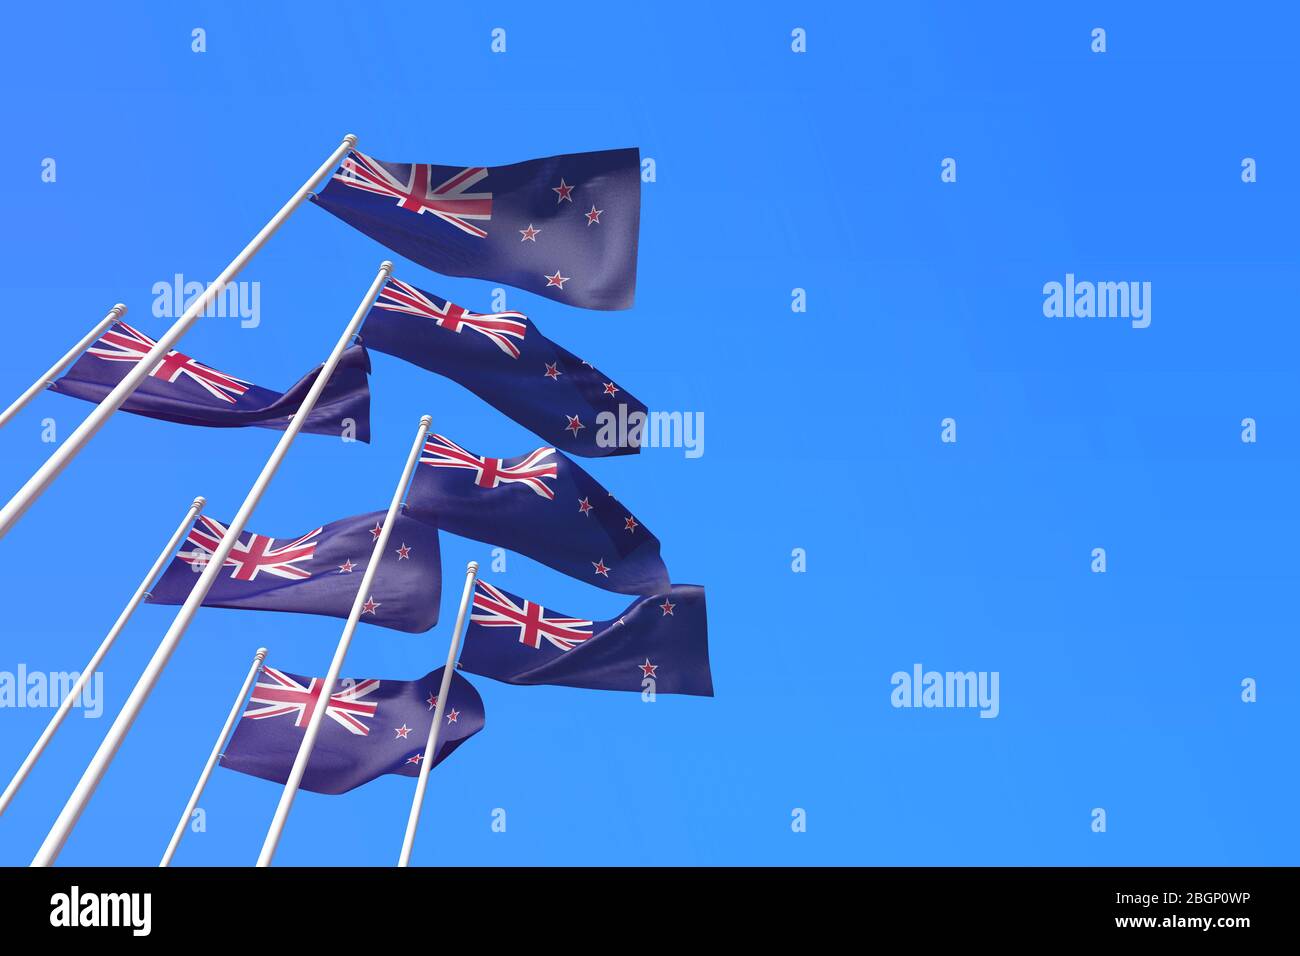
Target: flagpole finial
(426,421)
(386,266)
(471,568)
(119,309)
(199,502)
(261,653)
(350,139)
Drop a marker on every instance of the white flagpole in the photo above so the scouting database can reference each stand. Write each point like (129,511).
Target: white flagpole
(340,653)
(85,789)
(43,382)
(431,748)
(89,670)
(37,483)
(213,758)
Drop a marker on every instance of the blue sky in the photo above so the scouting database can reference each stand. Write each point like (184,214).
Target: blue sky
(776,171)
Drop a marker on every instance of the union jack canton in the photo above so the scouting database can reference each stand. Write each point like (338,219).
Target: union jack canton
(122,343)
(531,470)
(285,695)
(376,727)
(495,608)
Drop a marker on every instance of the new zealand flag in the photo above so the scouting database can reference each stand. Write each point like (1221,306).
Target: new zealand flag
(318,572)
(183,390)
(371,727)
(541,505)
(564,227)
(663,639)
(504,359)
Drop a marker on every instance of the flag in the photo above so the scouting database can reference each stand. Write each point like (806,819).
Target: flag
(541,505)
(663,638)
(504,359)
(183,390)
(318,572)
(371,727)
(563,227)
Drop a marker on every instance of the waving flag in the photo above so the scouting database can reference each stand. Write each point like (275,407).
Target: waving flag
(372,727)
(506,361)
(181,389)
(564,227)
(317,572)
(664,639)
(541,505)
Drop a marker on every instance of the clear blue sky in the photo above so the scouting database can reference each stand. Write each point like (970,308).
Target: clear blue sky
(775,171)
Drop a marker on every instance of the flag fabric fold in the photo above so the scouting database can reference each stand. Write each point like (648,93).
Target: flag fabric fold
(318,572)
(183,390)
(504,359)
(564,227)
(542,505)
(662,639)
(371,728)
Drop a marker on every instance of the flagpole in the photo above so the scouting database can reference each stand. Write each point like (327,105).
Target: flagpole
(54,465)
(340,653)
(44,381)
(213,757)
(93,666)
(85,789)
(431,748)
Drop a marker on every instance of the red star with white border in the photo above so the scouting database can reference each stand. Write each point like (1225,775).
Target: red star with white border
(563,191)
(370,607)
(529,234)
(593,217)
(584,506)
(601,568)
(575,425)
(402,732)
(648,669)
(432,702)
(553,371)
(611,389)
(629,523)
(416,759)
(403,553)
(374,532)
(453,716)
(667,607)
(346,567)
(556,280)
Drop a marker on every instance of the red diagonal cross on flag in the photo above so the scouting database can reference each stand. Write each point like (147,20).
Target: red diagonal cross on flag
(448,201)
(256,555)
(283,695)
(498,327)
(122,343)
(494,608)
(532,470)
